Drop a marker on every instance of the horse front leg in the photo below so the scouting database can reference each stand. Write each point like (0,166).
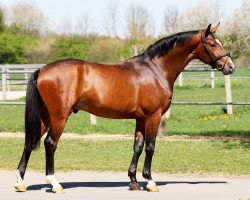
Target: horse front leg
(151,128)
(138,147)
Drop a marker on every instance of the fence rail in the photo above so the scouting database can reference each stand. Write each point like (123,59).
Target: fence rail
(173,103)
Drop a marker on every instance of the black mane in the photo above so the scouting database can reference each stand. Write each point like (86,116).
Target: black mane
(164,45)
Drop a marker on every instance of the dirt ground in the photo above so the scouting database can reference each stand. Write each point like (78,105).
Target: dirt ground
(96,137)
(104,185)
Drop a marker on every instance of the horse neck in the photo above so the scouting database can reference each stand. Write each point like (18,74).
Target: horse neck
(177,59)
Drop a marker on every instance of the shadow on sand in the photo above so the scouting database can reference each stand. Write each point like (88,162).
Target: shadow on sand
(68,185)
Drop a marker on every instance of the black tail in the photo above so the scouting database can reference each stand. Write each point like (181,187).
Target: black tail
(32,114)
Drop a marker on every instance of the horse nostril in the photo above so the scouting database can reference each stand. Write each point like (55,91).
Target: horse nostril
(231,67)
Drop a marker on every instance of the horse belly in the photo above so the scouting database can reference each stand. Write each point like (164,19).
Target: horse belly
(110,101)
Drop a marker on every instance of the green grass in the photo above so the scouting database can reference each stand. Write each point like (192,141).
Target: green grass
(12,120)
(227,157)
(184,120)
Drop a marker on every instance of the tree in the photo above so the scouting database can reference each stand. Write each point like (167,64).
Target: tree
(83,25)
(139,22)
(28,18)
(40,50)
(200,16)
(12,49)
(2,25)
(171,19)
(111,20)
(14,46)
(237,29)
(134,46)
(105,50)
(71,46)
(65,26)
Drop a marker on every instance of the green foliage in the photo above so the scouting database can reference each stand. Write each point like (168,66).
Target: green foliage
(72,46)
(239,47)
(40,51)
(235,44)
(105,50)
(2,25)
(244,58)
(128,48)
(14,46)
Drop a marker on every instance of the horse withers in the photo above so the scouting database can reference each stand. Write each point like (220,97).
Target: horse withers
(140,88)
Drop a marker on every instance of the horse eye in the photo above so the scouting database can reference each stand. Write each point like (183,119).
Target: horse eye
(213,45)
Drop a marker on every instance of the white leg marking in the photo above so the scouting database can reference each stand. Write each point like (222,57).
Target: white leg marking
(19,178)
(52,180)
(150,183)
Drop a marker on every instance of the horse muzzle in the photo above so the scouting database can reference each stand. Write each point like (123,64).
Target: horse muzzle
(228,68)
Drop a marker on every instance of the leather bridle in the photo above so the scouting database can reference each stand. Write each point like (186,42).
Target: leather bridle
(213,58)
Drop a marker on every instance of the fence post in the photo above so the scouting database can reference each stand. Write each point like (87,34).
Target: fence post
(7,78)
(92,119)
(180,79)
(4,80)
(212,79)
(228,94)
(26,77)
(26,74)
(162,128)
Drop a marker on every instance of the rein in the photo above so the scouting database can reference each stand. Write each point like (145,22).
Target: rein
(211,55)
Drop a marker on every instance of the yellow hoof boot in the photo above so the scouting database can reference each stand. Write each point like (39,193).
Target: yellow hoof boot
(58,190)
(153,188)
(20,188)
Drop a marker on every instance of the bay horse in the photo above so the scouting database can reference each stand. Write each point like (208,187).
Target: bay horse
(140,88)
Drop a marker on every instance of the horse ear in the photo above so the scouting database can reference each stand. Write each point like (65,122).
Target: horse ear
(214,29)
(208,30)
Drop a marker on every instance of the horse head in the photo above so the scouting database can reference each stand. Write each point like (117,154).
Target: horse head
(211,51)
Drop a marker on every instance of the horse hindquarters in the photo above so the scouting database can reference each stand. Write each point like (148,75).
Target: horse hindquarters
(38,119)
(58,100)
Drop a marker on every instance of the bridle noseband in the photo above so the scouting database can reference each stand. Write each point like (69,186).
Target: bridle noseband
(211,55)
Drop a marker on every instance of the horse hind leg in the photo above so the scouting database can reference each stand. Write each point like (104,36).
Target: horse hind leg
(50,143)
(19,185)
(21,169)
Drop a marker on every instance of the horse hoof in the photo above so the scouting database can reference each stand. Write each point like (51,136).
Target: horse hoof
(153,188)
(58,190)
(134,186)
(20,188)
